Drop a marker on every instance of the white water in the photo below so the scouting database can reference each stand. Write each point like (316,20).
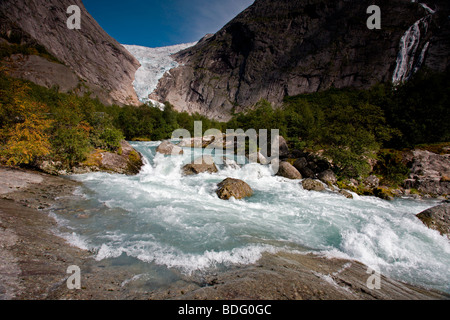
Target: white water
(162,218)
(155,62)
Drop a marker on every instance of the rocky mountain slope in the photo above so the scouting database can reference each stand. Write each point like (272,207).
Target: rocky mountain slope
(93,60)
(289,47)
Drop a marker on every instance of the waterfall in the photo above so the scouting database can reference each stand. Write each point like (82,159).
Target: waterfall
(406,65)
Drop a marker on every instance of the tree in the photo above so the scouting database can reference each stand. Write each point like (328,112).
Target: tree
(26,141)
(24,132)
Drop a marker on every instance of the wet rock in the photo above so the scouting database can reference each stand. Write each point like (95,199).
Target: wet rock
(197,142)
(288,171)
(258,158)
(327,177)
(346,194)
(383,193)
(300,163)
(371,182)
(128,162)
(284,149)
(233,188)
(205,164)
(307,172)
(312,185)
(230,163)
(304,277)
(437,218)
(168,148)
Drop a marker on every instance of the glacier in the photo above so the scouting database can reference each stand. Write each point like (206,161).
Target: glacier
(155,62)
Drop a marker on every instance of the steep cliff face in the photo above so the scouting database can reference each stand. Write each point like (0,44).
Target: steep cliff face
(288,47)
(99,61)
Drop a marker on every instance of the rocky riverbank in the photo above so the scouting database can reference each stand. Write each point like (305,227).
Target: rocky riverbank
(126,160)
(35,260)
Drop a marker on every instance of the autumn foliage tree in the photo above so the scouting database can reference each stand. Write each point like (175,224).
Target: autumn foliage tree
(25,127)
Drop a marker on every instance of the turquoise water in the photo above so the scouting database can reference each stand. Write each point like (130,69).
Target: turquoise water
(172,222)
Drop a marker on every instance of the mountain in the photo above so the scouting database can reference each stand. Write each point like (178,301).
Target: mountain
(87,59)
(284,48)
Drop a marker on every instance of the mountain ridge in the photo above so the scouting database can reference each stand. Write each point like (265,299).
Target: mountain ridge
(284,48)
(98,60)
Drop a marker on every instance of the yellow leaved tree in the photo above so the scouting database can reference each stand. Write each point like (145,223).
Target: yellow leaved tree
(24,137)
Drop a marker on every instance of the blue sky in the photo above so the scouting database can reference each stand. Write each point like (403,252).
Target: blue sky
(155,23)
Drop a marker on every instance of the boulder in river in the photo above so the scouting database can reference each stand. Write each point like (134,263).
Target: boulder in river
(197,142)
(257,157)
(288,171)
(327,177)
(284,148)
(205,164)
(233,188)
(313,185)
(300,163)
(437,218)
(346,194)
(168,148)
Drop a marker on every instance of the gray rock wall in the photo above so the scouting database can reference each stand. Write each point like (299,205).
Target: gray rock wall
(289,47)
(96,58)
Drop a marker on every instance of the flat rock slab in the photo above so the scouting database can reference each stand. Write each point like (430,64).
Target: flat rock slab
(14,180)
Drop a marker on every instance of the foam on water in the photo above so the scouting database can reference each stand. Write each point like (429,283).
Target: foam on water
(163,218)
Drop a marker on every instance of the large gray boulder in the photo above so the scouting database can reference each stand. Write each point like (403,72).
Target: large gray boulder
(430,173)
(327,177)
(168,148)
(312,185)
(307,172)
(437,218)
(197,142)
(284,148)
(302,166)
(128,162)
(288,171)
(233,188)
(200,165)
(301,163)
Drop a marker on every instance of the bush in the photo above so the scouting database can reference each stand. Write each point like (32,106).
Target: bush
(111,138)
(24,131)
(71,145)
(391,167)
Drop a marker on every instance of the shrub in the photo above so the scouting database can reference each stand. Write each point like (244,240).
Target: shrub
(111,138)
